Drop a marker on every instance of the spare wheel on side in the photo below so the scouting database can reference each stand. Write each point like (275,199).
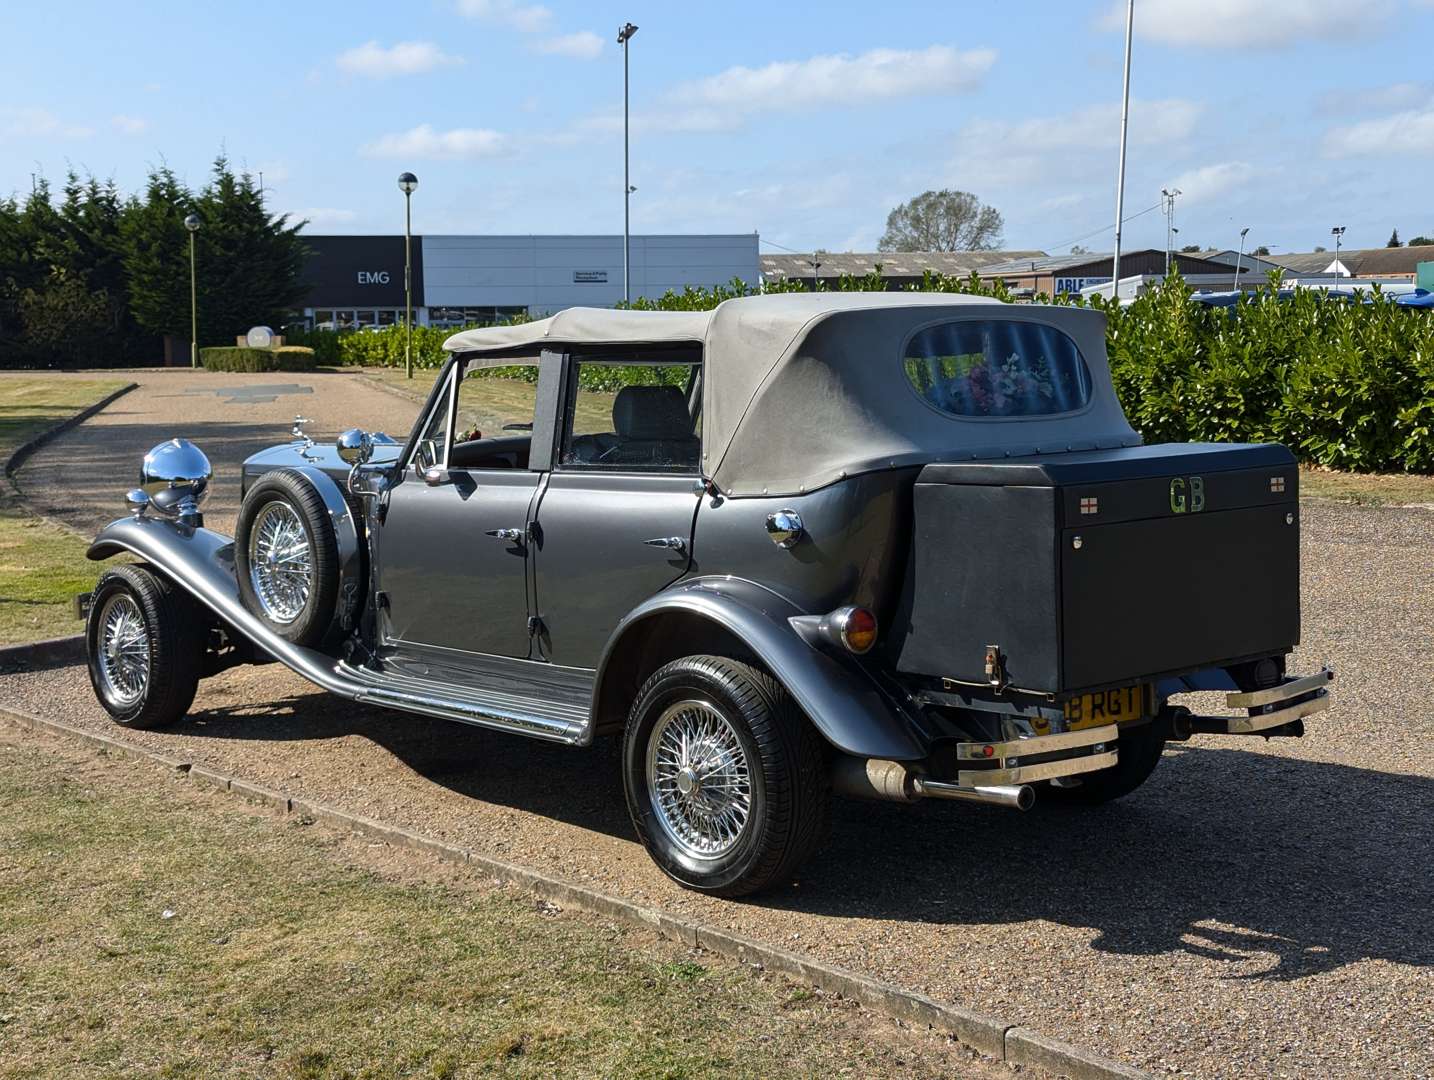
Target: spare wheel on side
(287,558)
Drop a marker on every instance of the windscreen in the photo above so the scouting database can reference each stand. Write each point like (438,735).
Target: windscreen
(997,367)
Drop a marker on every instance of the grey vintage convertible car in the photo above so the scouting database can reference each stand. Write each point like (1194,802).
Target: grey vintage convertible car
(888,545)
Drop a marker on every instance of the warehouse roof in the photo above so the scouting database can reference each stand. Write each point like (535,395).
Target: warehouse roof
(1359,262)
(833,264)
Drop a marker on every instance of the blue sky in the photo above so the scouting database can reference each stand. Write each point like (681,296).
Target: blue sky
(805,122)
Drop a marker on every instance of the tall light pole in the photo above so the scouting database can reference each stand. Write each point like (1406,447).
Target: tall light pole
(1240,257)
(407,182)
(1338,233)
(1120,172)
(624,35)
(191,222)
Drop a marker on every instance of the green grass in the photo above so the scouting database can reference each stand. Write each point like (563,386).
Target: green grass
(41,566)
(1373,489)
(151,929)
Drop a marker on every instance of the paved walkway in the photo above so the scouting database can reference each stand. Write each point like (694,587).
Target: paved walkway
(81,477)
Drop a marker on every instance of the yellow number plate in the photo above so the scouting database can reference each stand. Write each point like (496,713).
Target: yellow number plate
(1105,707)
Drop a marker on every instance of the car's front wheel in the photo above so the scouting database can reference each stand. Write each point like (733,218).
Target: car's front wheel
(726,780)
(145,642)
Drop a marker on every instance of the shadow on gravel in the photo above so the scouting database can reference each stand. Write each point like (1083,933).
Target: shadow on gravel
(1285,866)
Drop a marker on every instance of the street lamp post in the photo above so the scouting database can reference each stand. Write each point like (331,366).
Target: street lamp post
(1240,257)
(624,35)
(1170,229)
(406,184)
(1120,172)
(191,222)
(1338,233)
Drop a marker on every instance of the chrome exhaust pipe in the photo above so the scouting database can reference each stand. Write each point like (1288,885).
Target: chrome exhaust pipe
(1016,796)
(893,781)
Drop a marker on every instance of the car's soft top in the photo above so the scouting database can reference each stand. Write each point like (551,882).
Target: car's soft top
(802,389)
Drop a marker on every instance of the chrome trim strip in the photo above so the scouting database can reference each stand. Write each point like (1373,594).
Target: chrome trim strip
(1248,725)
(1292,689)
(1037,744)
(1029,774)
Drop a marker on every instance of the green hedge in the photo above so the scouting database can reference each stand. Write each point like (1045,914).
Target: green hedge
(242,358)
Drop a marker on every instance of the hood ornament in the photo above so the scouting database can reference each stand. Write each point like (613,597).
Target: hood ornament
(297,431)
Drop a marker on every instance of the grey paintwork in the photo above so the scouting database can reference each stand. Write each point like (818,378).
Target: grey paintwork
(448,582)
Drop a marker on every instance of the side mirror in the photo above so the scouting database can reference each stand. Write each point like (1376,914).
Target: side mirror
(355,446)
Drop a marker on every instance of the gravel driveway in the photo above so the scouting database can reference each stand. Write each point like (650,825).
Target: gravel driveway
(1257,909)
(81,477)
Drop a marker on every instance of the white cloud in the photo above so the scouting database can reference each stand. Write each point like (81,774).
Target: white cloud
(526,18)
(584,45)
(1251,24)
(1093,127)
(424,142)
(324,215)
(1209,182)
(129,125)
(30,123)
(404,58)
(1400,95)
(1408,132)
(839,79)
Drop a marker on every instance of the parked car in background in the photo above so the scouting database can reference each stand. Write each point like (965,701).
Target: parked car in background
(889,545)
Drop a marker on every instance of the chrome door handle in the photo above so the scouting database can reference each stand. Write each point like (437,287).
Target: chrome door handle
(515,535)
(672,543)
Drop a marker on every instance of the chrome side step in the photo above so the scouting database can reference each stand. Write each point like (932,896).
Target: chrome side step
(549,721)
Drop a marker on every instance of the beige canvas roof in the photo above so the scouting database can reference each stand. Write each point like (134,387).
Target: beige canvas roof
(801,389)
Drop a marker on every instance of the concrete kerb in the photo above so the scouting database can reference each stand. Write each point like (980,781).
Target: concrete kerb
(36,655)
(1015,1045)
(25,449)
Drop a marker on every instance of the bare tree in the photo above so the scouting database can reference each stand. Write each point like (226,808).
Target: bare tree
(942,221)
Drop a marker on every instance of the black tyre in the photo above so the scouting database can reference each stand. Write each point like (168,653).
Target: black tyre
(145,641)
(1140,749)
(726,780)
(287,558)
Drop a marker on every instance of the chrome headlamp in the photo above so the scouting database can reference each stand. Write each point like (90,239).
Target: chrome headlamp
(175,475)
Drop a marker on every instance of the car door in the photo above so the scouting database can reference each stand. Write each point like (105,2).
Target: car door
(453,551)
(614,520)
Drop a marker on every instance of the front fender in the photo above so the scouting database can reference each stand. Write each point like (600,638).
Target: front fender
(202,563)
(840,699)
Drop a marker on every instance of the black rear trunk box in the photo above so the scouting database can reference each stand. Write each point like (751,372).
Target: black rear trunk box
(1102,567)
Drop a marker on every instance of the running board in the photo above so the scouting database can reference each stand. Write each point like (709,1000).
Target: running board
(545,720)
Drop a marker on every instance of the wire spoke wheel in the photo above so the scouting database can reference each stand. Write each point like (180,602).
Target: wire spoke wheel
(124,659)
(698,779)
(281,562)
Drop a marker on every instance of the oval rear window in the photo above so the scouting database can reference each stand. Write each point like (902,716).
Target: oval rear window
(997,367)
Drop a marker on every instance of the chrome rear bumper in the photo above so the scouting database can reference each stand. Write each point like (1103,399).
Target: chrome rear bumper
(1081,751)
(1277,710)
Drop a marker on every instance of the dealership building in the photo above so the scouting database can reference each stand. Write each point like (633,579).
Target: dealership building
(358,280)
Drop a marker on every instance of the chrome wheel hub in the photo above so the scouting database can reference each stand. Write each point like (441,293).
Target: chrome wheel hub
(123,650)
(281,562)
(698,780)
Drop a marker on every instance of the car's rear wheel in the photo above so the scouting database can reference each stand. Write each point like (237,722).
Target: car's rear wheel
(726,780)
(145,642)
(287,558)
(1139,752)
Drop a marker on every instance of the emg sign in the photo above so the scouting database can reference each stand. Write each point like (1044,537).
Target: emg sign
(373,277)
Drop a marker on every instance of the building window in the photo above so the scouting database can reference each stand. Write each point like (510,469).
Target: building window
(468,316)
